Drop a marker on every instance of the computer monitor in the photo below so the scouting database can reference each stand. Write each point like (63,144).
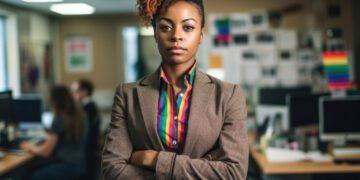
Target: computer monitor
(303,109)
(269,112)
(272,103)
(339,118)
(28,112)
(6,106)
(277,95)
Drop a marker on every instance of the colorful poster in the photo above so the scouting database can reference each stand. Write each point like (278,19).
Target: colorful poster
(337,70)
(78,54)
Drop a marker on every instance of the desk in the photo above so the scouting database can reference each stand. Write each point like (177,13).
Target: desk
(12,161)
(300,167)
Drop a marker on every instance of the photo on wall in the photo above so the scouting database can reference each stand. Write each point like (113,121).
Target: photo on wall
(78,53)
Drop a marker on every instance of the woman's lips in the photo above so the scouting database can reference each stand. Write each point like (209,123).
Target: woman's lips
(177,50)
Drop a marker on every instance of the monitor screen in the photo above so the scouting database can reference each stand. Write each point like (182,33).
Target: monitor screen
(277,96)
(264,112)
(27,110)
(303,109)
(339,116)
(6,106)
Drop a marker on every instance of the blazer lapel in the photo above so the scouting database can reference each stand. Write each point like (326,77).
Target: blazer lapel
(203,88)
(148,93)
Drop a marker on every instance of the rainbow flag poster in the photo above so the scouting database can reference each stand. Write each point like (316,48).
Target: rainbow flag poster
(337,70)
(222,27)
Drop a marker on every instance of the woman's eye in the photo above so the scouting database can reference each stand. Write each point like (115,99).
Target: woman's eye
(188,28)
(165,28)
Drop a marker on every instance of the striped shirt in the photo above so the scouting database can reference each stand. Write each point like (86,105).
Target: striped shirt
(173,112)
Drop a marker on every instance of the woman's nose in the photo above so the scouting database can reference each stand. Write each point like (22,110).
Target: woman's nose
(177,35)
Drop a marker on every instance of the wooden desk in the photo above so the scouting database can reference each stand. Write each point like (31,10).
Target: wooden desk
(12,161)
(300,167)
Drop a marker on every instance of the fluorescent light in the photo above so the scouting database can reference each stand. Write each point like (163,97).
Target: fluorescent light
(41,1)
(72,8)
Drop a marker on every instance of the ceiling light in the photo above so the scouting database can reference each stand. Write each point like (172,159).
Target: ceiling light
(41,1)
(72,8)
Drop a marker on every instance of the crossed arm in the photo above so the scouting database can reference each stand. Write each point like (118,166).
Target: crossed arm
(227,161)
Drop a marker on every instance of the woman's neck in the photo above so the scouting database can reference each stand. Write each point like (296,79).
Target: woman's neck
(175,73)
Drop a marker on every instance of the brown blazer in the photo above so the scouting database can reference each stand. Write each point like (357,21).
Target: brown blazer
(216,145)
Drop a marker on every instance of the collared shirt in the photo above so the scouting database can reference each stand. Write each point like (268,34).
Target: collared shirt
(173,112)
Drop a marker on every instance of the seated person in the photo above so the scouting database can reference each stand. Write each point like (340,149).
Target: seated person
(65,141)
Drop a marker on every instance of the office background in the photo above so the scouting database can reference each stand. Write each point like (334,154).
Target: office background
(35,52)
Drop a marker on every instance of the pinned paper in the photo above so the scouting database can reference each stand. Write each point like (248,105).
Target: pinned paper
(240,23)
(215,61)
(287,39)
(260,20)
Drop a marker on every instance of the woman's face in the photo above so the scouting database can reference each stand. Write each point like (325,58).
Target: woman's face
(178,33)
(77,92)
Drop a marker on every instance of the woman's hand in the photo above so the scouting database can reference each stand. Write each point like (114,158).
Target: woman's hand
(26,146)
(146,158)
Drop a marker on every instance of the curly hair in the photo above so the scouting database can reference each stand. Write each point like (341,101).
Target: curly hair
(149,10)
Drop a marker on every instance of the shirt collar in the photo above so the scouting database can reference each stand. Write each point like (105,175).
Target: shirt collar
(189,75)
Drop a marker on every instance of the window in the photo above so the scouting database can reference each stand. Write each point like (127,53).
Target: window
(130,35)
(9,53)
(3,63)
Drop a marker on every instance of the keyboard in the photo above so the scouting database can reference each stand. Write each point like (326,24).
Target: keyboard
(14,146)
(339,152)
(287,155)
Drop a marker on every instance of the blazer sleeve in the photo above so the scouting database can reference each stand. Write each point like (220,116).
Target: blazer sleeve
(118,146)
(228,161)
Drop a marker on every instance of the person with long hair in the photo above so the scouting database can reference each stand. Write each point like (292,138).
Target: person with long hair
(178,122)
(65,139)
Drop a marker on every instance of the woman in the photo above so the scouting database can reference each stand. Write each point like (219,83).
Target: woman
(177,123)
(65,140)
